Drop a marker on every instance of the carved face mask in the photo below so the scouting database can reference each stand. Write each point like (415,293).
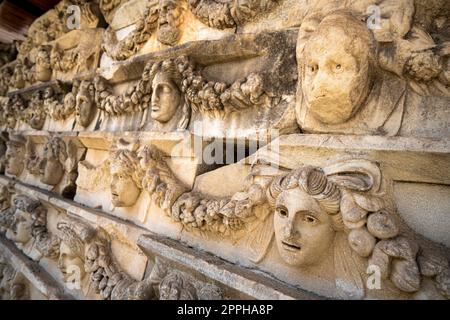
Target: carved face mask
(14,160)
(335,83)
(303,230)
(84,105)
(165,98)
(20,230)
(53,171)
(70,264)
(124,191)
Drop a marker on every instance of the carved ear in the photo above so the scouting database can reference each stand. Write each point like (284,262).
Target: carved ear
(357,175)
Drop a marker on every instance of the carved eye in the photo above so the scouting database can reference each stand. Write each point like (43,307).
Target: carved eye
(313,68)
(309,219)
(166,89)
(282,212)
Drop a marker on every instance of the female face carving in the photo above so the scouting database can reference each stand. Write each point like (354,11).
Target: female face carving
(85,105)
(335,81)
(70,263)
(20,230)
(124,191)
(165,98)
(303,230)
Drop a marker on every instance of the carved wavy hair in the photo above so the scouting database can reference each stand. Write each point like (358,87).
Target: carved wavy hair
(126,162)
(75,235)
(170,69)
(314,182)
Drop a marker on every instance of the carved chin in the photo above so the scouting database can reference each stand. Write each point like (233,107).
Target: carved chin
(14,170)
(331,111)
(119,202)
(168,35)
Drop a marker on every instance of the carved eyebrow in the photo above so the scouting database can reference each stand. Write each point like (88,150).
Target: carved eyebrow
(308,212)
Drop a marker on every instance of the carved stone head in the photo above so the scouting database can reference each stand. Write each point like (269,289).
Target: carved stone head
(55,155)
(125,184)
(21,229)
(336,63)
(75,237)
(43,69)
(303,220)
(166,93)
(15,155)
(70,101)
(169,20)
(85,103)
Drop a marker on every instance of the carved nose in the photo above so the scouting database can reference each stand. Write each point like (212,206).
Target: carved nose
(289,230)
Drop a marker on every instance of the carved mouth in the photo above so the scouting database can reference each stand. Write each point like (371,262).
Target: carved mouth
(290,247)
(155,109)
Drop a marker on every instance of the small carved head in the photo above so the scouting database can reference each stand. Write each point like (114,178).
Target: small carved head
(43,70)
(27,216)
(166,93)
(336,63)
(85,103)
(125,183)
(169,20)
(55,155)
(15,153)
(75,237)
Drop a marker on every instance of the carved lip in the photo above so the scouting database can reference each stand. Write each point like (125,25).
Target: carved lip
(290,247)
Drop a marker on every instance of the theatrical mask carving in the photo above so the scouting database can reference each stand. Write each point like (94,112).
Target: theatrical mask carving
(125,181)
(85,103)
(361,84)
(54,158)
(15,155)
(166,94)
(43,67)
(85,256)
(74,236)
(36,111)
(342,216)
(23,224)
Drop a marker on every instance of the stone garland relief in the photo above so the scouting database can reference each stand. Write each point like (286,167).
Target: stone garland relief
(165,18)
(336,222)
(84,257)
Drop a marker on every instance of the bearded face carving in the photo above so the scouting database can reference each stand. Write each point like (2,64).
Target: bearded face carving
(335,79)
